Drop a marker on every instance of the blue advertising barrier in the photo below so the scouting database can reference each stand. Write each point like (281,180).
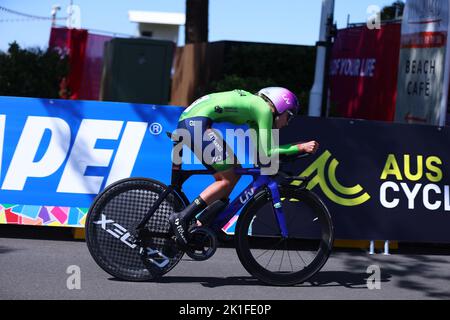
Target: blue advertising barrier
(381,181)
(56,155)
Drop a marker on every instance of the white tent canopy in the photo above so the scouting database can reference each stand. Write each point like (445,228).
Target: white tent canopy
(158,25)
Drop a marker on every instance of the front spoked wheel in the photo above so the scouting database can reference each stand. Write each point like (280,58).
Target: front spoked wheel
(111,222)
(281,261)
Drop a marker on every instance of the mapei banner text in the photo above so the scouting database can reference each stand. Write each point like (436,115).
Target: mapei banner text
(56,155)
(379,180)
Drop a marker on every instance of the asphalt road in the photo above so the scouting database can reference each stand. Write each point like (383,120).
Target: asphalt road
(36,269)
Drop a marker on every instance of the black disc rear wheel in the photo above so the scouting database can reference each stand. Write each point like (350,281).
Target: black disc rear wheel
(112,219)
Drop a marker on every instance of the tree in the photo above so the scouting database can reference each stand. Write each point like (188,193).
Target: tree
(277,65)
(393,11)
(196,21)
(31,72)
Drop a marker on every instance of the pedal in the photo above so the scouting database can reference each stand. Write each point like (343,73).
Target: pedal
(202,244)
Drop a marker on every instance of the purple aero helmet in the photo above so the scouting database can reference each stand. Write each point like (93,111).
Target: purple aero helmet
(282,99)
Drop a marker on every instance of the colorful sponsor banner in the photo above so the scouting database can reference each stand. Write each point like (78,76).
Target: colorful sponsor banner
(423,75)
(363,72)
(57,155)
(42,215)
(381,181)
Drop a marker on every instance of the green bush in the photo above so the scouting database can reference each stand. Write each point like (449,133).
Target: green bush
(252,66)
(31,72)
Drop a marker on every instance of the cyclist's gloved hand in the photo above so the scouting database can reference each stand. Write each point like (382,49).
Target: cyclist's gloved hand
(308,147)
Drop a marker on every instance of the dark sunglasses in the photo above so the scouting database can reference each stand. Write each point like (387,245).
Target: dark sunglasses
(290,115)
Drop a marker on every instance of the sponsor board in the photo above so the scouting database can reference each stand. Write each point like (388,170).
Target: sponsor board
(423,77)
(381,181)
(57,155)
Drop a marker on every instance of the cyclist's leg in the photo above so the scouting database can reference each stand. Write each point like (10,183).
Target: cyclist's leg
(223,161)
(216,155)
(222,187)
(179,220)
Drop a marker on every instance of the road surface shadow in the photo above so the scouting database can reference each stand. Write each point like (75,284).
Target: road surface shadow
(427,275)
(7,250)
(350,280)
(210,282)
(345,279)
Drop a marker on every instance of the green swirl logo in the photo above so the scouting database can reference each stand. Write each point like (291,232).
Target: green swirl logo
(349,196)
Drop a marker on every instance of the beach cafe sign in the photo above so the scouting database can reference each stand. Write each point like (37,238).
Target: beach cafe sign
(423,77)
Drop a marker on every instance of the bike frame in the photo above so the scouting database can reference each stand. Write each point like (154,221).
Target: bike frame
(259,182)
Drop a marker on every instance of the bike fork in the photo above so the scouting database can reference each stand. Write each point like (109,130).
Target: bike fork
(278,210)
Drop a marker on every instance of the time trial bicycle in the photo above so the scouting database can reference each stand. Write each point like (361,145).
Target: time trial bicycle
(283,235)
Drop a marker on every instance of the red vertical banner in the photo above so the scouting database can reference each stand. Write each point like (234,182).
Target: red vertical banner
(93,67)
(363,72)
(71,42)
(77,51)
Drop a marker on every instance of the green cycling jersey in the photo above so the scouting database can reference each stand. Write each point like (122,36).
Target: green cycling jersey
(240,107)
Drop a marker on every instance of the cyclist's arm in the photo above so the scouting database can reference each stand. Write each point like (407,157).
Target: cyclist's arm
(264,122)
